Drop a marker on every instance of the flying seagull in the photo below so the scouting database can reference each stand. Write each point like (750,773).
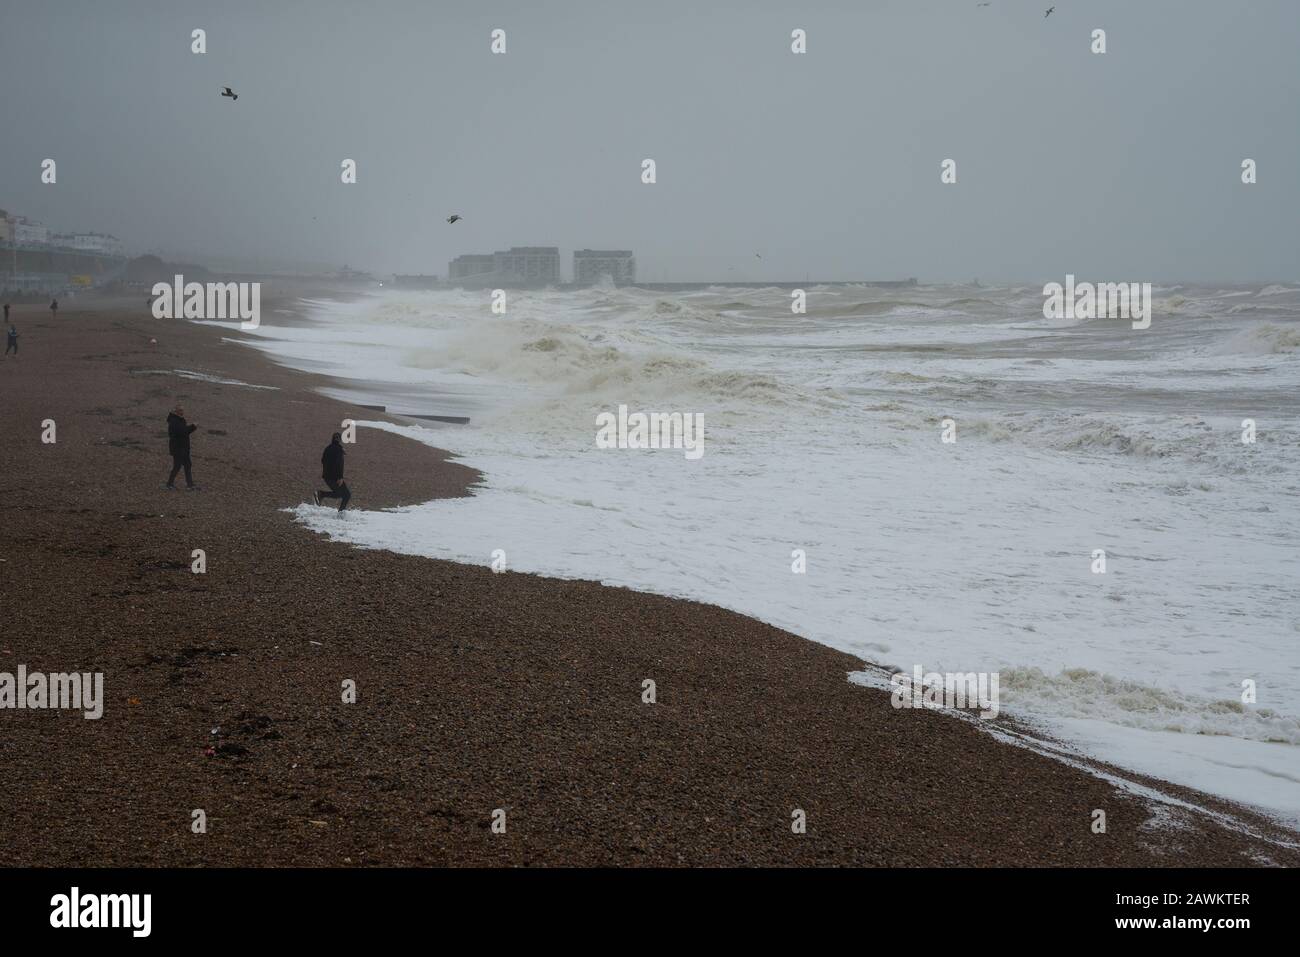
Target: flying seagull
(1049,12)
(453,217)
(230,93)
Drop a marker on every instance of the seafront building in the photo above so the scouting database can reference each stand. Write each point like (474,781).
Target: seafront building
(416,281)
(539,266)
(30,233)
(528,264)
(516,266)
(97,243)
(476,268)
(34,260)
(593,265)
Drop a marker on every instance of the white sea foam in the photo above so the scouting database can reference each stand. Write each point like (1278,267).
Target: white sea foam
(1262,339)
(825,436)
(203,377)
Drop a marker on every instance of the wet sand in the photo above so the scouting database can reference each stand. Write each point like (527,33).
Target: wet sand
(475,691)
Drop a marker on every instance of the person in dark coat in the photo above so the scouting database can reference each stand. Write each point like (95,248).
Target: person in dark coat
(11,341)
(54,308)
(331,461)
(178,443)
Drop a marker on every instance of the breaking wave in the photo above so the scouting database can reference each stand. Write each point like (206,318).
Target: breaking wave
(1081,693)
(1263,339)
(551,361)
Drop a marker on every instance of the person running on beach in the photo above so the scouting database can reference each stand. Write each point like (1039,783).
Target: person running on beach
(331,461)
(11,340)
(178,443)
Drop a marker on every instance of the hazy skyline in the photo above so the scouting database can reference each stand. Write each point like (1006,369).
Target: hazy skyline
(1122,166)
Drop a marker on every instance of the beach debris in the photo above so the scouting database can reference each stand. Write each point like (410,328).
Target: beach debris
(320,823)
(209,752)
(454,217)
(230,93)
(133,701)
(309,641)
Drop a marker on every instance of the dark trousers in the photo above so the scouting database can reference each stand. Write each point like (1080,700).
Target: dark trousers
(11,345)
(338,489)
(181,462)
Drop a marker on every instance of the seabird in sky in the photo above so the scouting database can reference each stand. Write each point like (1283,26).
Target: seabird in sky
(453,217)
(230,93)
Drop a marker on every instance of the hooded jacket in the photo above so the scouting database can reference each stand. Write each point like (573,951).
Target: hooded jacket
(331,460)
(178,435)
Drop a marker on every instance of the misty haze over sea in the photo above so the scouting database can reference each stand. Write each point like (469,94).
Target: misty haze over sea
(1123,165)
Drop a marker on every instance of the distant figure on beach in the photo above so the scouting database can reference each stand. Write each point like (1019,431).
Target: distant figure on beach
(178,443)
(331,461)
(6,312)
(54,308)
(11,340)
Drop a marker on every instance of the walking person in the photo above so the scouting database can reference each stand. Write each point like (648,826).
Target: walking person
(331,461)
(6,312)
(178,443)
(11,339)
(54,309)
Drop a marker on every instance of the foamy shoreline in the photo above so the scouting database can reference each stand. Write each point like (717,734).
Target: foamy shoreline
(1089,691)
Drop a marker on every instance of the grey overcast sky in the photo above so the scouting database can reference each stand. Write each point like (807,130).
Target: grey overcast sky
(1117,166)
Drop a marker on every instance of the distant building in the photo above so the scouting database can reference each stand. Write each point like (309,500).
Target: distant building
(97,243)
(471,267)
(590,265)
(528,264)
(516,266)
(415,282)
(30,233)
(348,274)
